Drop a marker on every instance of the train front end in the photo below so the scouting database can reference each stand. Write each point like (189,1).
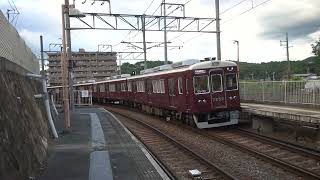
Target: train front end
(215,99)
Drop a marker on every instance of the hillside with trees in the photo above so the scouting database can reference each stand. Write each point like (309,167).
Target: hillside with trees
(254,71)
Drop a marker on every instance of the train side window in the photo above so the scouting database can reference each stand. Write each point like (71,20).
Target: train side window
(112,87)
(123,87)
(140,86)
(94,88)
(231,82)
(107,87)
(216,83)
(134,86)
(118,87)
(180,87)
(149,86)
(187,83)
(130,86)
(154,86)
(102,88)
(171,87)
(162,87)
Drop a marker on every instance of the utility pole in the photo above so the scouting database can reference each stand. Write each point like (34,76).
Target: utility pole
(143,21)
(64,69)
(218,31)
(41,56)
(165,33)
(238,57)
(287,48)
(69,53)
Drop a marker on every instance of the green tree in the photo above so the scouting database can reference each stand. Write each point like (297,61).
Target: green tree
(127,68)
(316,48)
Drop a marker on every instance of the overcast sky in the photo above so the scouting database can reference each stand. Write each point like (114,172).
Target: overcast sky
(259,31)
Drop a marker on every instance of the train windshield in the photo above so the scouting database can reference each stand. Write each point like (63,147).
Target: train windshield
(231,82)
(216,83)
(201,84)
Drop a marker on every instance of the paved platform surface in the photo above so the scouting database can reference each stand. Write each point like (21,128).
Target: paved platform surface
(302,115)
(98,147)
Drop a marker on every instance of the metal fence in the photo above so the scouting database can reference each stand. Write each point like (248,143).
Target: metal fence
(287,92)
(81,97)
(14,48)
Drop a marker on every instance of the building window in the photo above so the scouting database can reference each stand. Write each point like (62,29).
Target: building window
(180,87)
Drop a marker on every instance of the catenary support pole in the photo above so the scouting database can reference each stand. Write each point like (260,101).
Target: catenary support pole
(288,58)
(64,68)
(143,21)
(218,30)
(165,33)
(69,54)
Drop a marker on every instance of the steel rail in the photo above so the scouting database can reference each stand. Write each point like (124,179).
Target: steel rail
(280,163)
(180,145)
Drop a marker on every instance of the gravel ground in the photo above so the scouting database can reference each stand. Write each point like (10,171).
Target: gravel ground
(238,163)
(307,138)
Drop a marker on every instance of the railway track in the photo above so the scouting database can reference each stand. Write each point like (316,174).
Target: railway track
(176,158)
(302,161)
(297,160)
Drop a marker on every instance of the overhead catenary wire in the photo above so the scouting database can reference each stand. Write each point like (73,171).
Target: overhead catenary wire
(224,22)
(128,34)
(230,8)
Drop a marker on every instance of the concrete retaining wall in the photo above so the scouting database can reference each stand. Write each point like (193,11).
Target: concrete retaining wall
(23,124)
(14,49)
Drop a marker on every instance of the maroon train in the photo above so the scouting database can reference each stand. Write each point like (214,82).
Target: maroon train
(204,94)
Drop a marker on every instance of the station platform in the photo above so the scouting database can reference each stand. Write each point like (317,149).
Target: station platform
(294,114)
(98,147)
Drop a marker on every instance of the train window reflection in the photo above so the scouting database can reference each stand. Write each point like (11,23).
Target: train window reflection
(216,83)
(201,84)
(231,82)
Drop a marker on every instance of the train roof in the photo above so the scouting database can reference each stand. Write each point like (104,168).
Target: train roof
(200,65)
(197,66)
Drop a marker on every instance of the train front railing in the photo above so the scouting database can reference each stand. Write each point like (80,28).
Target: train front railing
(284,92)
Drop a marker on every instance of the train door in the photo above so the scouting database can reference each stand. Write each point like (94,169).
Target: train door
(149,90)
(218,93)
(172,89)
(187,95)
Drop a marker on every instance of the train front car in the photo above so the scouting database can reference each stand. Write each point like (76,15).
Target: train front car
(215,98)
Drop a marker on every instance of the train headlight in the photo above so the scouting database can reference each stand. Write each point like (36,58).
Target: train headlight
(203,100)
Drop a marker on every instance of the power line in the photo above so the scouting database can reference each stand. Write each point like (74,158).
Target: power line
(188,40)
(254,7)
(143,13)
(228,9)
(148,6)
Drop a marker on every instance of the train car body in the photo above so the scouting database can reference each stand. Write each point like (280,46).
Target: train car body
(203,94)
